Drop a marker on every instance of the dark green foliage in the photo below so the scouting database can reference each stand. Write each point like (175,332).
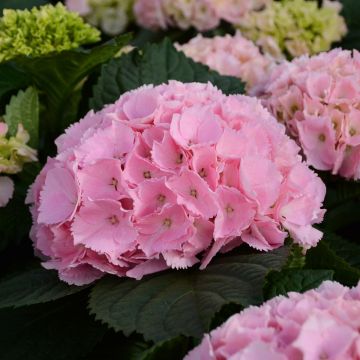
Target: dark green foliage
(299,280)
(155,64)
(183,302)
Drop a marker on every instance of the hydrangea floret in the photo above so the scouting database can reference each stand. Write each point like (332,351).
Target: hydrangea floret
(318,98)
(291,28)
(14,153)
(230,55)
(320,324)
(111,16)
(166,176)
(41,31)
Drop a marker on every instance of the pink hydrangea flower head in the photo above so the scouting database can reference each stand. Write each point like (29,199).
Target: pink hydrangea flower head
(230,55)
(318,99)
(161,14)
(201,14)
(166,177)
(319,324)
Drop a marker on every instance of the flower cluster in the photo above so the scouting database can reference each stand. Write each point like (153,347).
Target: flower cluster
(14,153)
(230,55)
(164,174)
(200,14)
(318,98)
(319,324)
(292,28)
(111,16)
(42,31)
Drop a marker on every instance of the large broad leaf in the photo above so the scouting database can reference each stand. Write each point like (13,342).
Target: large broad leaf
(334,252)
(58,76)
(24,109)
(60,330)
(175,303)
(11,79)
(299,280)
(33,287)
(155,64)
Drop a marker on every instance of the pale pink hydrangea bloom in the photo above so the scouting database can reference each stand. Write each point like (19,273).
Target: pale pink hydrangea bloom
(320,324)
(230,55)
(200,14)
(81,7)
(6,190)
(233,10)
(166,174)
(318,98)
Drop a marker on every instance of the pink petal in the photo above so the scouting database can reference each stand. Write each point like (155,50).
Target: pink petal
(59,197)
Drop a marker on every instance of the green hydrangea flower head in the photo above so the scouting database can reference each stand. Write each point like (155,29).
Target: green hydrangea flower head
(291,28)
(14,152)
(41,31)
(112,16)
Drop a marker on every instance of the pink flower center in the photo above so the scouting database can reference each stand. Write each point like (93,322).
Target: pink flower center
(179,159)
(322,137)
(202,173)
(194,193)
(294,108)
(147,174)
(352,131)
(114,220)
(167,222)
(114,183)
(229,209)
(161,198)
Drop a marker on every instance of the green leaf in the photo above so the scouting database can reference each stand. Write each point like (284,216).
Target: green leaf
(24,109)
(176,349)
(58,76)
(33,287)
(337,254)
(155,64)
(342,216)
(175,303)
(299,280)
(11,79)
(349,251)
(60,330)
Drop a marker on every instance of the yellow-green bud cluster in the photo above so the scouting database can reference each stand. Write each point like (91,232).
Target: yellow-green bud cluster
(41,31)
(291,28)
(111,16)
